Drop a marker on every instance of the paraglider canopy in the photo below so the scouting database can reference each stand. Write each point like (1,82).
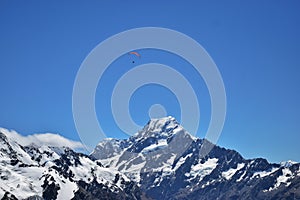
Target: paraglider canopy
(135,53)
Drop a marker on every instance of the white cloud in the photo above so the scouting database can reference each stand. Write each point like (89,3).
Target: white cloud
(47,139)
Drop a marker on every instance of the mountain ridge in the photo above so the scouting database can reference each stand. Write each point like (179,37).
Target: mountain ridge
(162,161)
(43,172)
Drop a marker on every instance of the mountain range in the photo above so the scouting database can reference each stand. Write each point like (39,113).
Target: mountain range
(162,161)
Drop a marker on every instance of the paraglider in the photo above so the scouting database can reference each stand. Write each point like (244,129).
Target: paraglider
(136,54)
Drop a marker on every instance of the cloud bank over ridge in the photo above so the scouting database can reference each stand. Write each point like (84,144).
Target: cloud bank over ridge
(42,139)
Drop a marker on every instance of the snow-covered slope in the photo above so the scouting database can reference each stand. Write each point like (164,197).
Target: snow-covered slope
(46,172)
(165,161)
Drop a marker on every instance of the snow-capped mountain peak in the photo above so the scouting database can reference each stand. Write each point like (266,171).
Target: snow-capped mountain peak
(166,162)
(161,124)
(160,127)
(163,139)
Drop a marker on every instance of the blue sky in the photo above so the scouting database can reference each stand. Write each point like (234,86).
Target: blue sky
(256,46)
